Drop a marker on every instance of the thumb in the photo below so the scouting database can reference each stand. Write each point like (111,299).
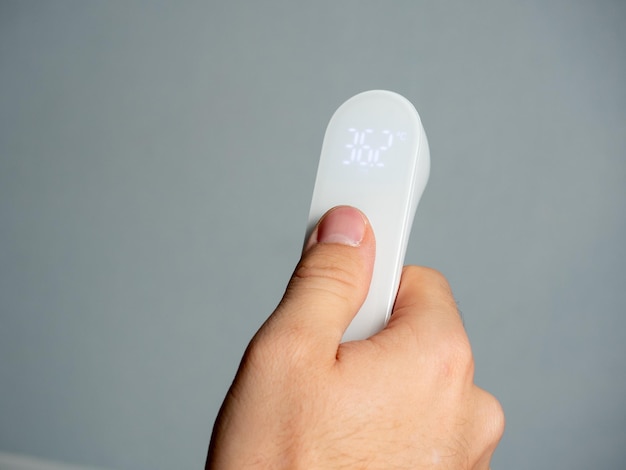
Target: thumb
(331,281)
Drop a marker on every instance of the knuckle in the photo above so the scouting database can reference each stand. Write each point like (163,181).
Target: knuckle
(434,277)
(453,357)
(441,286)
(326,267)
(433,282)
(329,274)
(490,422)
(437,276)
(496,420)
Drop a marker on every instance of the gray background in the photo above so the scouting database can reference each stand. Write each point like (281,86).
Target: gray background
(156,167)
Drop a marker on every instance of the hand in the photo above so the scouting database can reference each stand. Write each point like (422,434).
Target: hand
(404,398)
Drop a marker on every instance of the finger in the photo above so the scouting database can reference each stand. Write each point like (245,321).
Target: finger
(330,282)
(425,309)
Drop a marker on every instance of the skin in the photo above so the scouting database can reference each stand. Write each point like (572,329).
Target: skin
(402,399)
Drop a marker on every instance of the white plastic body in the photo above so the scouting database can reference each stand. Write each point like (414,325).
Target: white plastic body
(375,157)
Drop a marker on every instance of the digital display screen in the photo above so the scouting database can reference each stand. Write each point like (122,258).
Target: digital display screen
(370,143)
(369,148)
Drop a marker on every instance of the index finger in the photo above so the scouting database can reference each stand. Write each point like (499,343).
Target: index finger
(425,308)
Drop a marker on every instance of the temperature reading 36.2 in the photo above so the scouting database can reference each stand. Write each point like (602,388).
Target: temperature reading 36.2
(367,146)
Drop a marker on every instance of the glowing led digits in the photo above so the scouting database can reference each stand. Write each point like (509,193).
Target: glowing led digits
(364,152)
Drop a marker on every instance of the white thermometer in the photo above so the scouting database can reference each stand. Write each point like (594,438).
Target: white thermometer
(374,157)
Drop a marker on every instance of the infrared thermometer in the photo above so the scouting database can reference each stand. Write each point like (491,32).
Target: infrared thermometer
(375,157)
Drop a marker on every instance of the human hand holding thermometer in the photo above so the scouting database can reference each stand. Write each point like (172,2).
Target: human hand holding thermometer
(374,157)
(301,399)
